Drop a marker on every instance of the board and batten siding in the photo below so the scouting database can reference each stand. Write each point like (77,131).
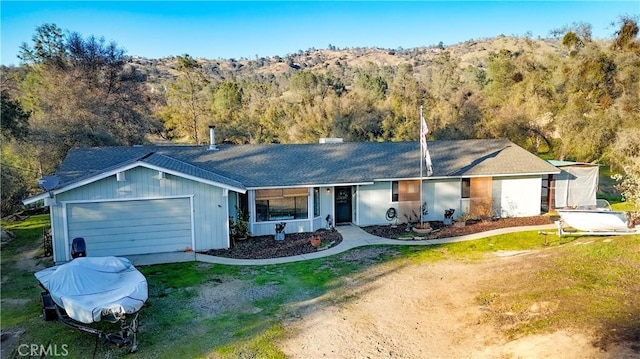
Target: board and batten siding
(210,206)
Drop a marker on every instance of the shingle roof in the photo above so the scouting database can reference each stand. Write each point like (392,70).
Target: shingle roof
(273,165)
(170,163)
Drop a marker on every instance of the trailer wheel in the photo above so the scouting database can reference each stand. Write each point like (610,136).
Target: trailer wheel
(48,308)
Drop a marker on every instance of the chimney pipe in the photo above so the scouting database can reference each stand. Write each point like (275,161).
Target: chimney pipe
(212,138)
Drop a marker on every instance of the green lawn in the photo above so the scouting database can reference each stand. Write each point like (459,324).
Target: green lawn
(599,285)
(606,190)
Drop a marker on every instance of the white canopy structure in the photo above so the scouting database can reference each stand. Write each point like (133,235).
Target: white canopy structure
(576,185)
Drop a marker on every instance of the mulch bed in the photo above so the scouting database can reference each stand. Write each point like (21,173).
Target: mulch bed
(264,247)
(470,227)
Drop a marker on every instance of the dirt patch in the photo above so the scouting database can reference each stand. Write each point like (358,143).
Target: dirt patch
(18,302)
(400,310)
(31,261)
(6,237)
(364,254)
(560,344)
(10,339)
(235,295)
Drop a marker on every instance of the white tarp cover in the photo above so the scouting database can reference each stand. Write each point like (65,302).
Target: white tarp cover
(576,186)
(89,288)
(595,220)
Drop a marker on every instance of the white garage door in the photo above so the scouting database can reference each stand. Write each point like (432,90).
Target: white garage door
(131,227)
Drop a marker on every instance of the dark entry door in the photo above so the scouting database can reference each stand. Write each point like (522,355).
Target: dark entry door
(343,205)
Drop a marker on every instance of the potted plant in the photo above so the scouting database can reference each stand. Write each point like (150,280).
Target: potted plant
(315,241)
(422,228)
(415,221)
(240,227)
(280,231)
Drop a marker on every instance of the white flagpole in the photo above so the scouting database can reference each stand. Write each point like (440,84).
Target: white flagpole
(421,157)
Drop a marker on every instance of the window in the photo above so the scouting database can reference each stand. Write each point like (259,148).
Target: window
(282,204)
(466,188)
(405,191)
(316,201)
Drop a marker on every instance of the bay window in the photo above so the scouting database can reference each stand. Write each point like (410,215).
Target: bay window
(282,204)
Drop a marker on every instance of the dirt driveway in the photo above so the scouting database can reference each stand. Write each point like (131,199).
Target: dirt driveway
(426,311)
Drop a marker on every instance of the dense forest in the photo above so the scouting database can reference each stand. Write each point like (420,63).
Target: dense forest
(566,97)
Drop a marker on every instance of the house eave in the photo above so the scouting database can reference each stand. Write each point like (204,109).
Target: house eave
(511,174)
(340,184)
(193,178)
(113,172)
(36,198)
(465,176)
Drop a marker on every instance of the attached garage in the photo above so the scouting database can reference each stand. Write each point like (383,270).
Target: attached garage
(129,227)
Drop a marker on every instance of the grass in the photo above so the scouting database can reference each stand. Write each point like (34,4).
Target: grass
(595,286)
(478,249)
(606,186)
(592,285)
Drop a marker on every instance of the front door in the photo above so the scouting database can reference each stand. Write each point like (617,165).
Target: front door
(343,205)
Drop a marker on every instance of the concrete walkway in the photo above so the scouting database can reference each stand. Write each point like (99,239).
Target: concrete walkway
(352,237)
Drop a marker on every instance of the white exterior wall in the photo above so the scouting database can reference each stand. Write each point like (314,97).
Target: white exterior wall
(442,195)
(516,196)
(326,207)
(293,226)
(373,202)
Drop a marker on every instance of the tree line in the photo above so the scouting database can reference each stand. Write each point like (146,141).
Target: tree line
(581,103)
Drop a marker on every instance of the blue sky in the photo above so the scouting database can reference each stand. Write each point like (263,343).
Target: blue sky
(217,29)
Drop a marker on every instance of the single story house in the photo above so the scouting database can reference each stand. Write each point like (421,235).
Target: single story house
(153,199)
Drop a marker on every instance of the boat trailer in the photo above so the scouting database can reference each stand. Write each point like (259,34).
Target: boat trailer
(125,337)
(90,290)
(561,231)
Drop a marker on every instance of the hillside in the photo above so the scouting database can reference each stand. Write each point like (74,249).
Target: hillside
(574,99)
(468,53)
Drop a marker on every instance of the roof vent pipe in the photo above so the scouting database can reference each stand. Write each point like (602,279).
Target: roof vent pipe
(212,138)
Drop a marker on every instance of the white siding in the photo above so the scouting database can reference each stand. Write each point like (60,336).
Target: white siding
(373,202)
(326,206)
(293,226)
(517,196)
(442,195)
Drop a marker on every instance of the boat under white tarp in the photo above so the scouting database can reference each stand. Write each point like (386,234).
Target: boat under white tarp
(595,220)
(92,288)
(598,219)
